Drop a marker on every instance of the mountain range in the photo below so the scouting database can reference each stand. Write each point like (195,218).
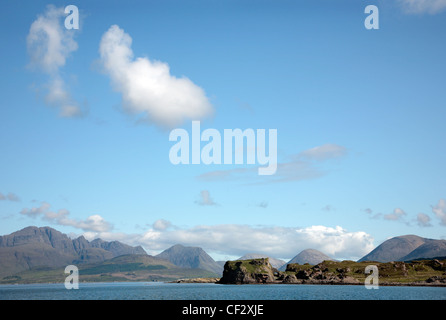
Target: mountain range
(34,248)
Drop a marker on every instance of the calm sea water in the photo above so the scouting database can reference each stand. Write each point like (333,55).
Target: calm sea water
(185,291)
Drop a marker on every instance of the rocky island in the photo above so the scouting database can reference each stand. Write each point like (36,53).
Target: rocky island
(260,271)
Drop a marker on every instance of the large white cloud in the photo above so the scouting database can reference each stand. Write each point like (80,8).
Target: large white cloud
(147,87)
(49,45)
(223,239)
(280,242)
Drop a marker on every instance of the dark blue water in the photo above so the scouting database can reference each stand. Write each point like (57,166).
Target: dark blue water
(184,291)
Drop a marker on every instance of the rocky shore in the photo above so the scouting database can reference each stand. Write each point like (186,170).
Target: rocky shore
(197,280)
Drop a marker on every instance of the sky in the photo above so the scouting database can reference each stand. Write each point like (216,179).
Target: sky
(87,112)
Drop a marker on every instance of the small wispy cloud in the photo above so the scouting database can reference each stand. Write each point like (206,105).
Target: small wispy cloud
(440,211)
(302,166)
(206,199)
(397,215)
(10,197)
(161,225)
(49,45)
(323,152)
(94,223)
(263,204)
(374,216)
(328,208)
(422,6)
(423,220)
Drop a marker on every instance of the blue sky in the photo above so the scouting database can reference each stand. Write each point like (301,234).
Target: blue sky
(360,117)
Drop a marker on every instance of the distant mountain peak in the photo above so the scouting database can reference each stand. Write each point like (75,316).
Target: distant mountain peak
(190,257)
(406,247)
(310,250)
(310,256)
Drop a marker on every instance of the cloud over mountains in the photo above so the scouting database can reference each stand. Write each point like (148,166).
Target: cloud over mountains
(284,242)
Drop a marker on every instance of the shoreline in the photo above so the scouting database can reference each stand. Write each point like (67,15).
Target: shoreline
(211,281)
(384,284)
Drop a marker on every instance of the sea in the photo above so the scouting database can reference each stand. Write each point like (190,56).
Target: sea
(210,291)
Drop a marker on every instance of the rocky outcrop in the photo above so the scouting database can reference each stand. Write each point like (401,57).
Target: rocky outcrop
(320,274)
(275,263)
(436,264)
(291,278)
(248,272)
(258,271)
